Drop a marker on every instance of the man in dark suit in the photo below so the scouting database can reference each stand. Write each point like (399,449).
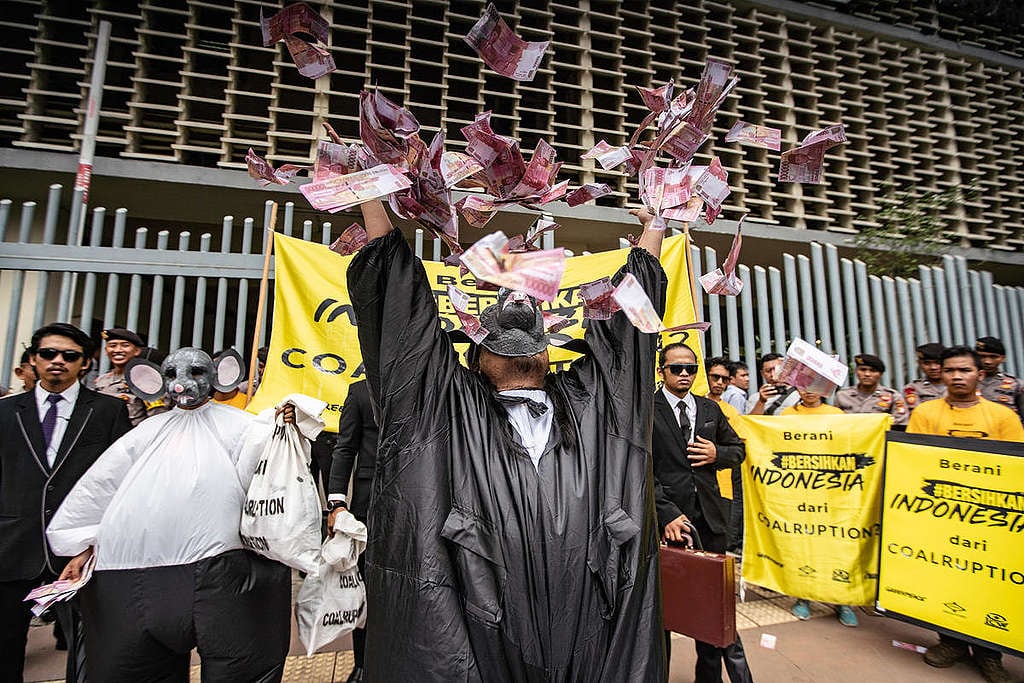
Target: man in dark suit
(51,436)
(692,439)
(355,451)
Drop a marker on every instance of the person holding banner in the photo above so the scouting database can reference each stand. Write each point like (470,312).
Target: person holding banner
(512,530)
(772,396)
(963,413)
(692,442)
(812,404)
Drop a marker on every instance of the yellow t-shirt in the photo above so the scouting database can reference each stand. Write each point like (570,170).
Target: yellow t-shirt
(725,476)
(236,401)
(985,420)
(801,409)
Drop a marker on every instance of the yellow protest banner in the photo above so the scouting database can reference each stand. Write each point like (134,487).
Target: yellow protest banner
(314,348)
(952,549)
(811,486)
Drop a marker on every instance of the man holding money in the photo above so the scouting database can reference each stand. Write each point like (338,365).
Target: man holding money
(512,525)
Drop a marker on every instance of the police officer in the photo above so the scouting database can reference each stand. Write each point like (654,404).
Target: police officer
(931,385)
(868,396)
(121,346)
(994,385)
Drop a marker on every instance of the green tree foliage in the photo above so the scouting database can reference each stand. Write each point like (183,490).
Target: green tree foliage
(910,230)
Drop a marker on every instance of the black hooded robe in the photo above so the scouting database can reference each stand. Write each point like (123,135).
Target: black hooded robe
(479,566)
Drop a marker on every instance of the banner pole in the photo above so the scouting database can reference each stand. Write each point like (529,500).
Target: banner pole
(261,306)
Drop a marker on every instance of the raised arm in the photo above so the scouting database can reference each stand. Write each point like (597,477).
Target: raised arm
(376,219)
(651,239)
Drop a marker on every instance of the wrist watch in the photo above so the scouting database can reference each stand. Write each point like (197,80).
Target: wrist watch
(333,505)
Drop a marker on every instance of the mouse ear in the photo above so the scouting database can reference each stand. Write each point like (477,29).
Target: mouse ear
(144,379)
(228,370)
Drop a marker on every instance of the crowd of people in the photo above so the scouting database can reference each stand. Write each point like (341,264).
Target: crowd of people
(514,531)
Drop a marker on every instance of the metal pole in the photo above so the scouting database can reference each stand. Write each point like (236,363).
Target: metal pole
(764,328)
(850,306)
(746,300)
(778,307)
(714,306)
(956,318)
(835,295)
(222,284)
(792,304)
(820,297)
(49,237)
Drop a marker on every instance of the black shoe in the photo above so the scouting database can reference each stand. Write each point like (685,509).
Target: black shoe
(356,676)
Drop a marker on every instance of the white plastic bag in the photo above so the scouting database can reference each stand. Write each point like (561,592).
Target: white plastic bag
(281,517)
(332,599)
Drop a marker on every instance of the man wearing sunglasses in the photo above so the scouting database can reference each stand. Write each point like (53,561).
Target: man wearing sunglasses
(51,436)
(692,440)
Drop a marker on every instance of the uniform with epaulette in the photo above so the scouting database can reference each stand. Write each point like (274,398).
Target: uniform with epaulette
(923,389)
(999,387)
(880,400)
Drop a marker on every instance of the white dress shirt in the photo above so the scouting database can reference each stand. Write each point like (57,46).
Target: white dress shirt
(736,397)
(64,410)
(689,405)
(533,431)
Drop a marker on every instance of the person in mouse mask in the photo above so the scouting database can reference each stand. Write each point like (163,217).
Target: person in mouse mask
(160,510)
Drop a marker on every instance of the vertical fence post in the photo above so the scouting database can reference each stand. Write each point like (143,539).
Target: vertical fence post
(877,310)
(952,301)
(892,319)
(49,237)
(243,286)
(199,311)
(156,311)
(220,314)
(135,291)
(17,286)
(778,308)
(818,285)
(714,306)
(764,329)
(746,300)
(792,303)
(850,306)
(64,303)
(865,314)
(835,296)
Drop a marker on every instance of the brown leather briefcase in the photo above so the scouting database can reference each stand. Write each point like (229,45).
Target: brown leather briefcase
(698,594)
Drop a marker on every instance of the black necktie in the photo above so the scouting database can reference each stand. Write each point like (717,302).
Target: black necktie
(684,422)
(50,419)
(536,408)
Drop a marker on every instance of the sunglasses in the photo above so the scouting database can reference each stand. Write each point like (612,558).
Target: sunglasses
(69,355)
(680,368)
(719,378)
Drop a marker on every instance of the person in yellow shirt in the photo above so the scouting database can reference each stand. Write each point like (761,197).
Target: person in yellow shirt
(964,413)
(718,381)
(811,404)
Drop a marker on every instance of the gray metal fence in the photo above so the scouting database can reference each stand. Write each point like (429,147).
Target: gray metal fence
(203,292)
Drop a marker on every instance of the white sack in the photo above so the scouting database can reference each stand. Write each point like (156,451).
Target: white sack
(282,514)
(332,599)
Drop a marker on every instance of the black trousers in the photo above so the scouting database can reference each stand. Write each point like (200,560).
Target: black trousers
(711,658)
(141,624)
(15,617)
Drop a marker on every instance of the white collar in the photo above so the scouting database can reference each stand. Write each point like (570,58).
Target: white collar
(674,401)
(70,395)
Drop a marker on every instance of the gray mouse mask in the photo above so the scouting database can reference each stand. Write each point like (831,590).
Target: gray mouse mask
(187,376)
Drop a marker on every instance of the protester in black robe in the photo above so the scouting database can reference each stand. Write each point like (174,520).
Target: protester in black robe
(480,565)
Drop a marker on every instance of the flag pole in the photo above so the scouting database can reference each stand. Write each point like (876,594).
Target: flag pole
(262,305)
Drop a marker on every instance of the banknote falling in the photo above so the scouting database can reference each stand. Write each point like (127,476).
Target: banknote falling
(502,50)
(290,25)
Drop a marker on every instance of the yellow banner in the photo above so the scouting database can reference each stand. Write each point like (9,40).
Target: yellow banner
(811,487)
(314,349)
(953,537)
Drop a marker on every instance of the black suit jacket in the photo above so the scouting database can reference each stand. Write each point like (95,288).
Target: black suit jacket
(680,488)
(356,449)
(30,490)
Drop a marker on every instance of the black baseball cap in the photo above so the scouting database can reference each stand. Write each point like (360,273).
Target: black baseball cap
(930,351)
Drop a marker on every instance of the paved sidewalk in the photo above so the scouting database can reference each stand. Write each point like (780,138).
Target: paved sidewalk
(820,650)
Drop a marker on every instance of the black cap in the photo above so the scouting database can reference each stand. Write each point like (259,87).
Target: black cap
(873,362)
(124,335)
(990,345)
(930,351)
